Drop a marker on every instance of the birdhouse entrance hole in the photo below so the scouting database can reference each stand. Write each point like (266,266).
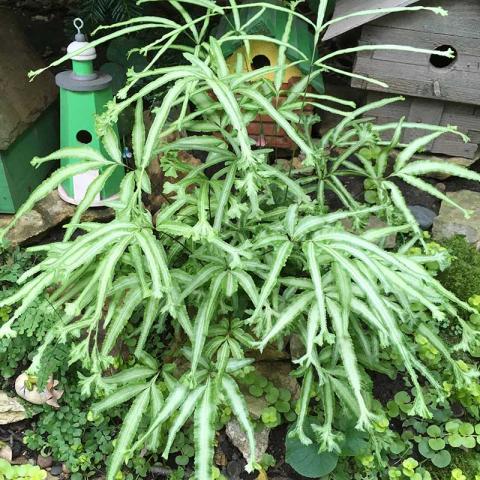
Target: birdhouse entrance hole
(260,61)
(84,136)
(443,62)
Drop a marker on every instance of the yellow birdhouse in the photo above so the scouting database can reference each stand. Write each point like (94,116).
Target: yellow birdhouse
(262,54)
(271,23)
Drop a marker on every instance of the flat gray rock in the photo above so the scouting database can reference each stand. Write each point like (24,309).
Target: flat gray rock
(423,215)
(21,101)
(451,221)
(48,213)
(238,437)
(11,410)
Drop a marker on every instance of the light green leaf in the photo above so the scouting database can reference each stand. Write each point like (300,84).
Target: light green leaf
(182,416)
(204,432)
(127,433)
(118,397)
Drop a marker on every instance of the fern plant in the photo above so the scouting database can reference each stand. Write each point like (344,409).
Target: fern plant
(98,12)
(242,258)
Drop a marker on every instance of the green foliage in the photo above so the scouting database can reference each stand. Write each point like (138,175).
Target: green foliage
(20,472)
(32,325)
(69,435)
(160,314)
(462,277)
(307,461)
(101,12)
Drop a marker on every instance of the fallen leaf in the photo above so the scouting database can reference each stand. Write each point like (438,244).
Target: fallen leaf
(262,475)
(26,389)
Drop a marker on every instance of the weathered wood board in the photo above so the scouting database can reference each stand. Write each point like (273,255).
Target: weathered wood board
(347,7)
(437,112)
(413,74)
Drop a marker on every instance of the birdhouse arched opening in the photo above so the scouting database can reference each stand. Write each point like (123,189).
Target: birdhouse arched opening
(260,61)
(439,61)
(84,136)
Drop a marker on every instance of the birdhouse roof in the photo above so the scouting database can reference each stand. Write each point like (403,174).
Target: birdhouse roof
(272,23)
(346,7)
(21,102)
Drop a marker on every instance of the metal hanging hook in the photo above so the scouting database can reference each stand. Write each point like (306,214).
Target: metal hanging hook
(78,24)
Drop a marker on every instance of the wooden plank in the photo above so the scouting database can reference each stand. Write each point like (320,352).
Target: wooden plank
(375,35)
(346,7)
(423,110)
(454,149)
(455,86)
(462,20)
(468,50)
(434,112)
(474,136)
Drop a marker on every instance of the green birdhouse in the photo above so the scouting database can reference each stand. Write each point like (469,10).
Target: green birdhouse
(83,94)
(28,116)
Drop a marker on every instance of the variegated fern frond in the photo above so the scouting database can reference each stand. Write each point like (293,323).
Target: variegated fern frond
(244,257)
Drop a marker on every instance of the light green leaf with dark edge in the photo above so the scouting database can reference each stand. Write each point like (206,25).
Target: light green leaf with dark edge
(127,433)
(121,395)
(130,375)
(281,257)
(183,415)
(138,133)
(239,408)
(156,404)
(204,432)
(202,320)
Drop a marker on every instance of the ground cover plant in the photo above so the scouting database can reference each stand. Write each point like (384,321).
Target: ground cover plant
(159,313)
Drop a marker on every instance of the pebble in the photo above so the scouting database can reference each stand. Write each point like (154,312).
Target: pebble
(234,470)
(44,462)
(56,469)
(441,186)
(423,215)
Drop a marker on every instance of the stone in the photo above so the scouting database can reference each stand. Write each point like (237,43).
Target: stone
(11,410)
(234,470)
(423,215)
(269,353)
(238,437)
(279,374)
(372,224)
(21,101)
(255,405)
(44,461)
(47,214)
(5,452)
(22,460)
(220,458)
(451,221)
(56,469)
(297,348)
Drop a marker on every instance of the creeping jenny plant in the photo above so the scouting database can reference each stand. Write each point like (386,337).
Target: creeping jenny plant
(244,257)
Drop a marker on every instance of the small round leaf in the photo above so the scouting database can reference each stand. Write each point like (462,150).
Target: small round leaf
(442,459)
